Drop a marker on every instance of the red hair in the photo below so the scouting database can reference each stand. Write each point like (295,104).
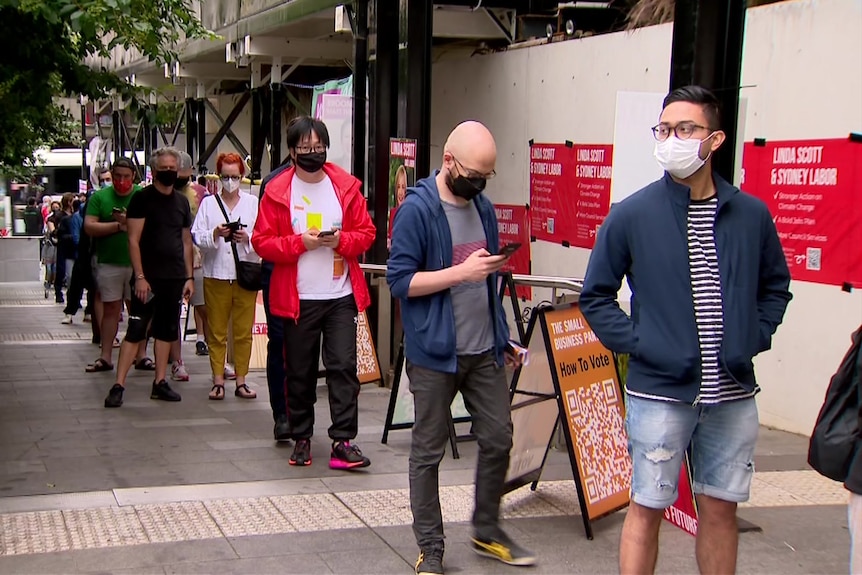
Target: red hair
(230,158)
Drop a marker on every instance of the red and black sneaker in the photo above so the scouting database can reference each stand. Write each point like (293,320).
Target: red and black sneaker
(345,455)
(301,453)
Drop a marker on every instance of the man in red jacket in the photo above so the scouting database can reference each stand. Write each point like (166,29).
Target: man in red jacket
(313,225)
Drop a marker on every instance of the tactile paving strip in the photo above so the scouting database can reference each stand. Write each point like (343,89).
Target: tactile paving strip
(252,516)
(104,527)
(381,508)
(319,512)
(806,487)
(183,521)
(35,532)
(525,503)
(73,529)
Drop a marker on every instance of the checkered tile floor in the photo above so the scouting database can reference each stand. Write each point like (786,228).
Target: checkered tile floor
(99,527)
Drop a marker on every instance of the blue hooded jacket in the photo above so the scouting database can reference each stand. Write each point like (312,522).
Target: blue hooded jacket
(422,241)
(644,238)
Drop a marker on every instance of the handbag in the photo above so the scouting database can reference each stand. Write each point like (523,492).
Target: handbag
(247,273)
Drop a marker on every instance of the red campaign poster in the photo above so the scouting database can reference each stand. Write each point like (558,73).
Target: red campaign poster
(593,165)
(513,224)
(812,188)
(552,214)
(683,513)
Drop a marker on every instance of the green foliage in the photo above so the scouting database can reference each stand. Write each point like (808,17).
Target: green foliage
(44,52)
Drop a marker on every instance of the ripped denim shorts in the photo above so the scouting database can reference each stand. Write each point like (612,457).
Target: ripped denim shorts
(722,438)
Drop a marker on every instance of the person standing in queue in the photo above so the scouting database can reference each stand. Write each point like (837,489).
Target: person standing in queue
(710,286)
(275,377)
(313,225)
(223,225)
(160,247)
(443,269)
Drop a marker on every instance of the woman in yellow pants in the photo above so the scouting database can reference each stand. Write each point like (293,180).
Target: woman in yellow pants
(225,221)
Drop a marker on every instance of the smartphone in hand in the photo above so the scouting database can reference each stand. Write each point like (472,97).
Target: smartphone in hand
(326,233)
(509,249)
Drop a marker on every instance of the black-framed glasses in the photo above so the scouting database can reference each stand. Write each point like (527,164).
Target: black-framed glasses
(473,173)
(683,130)
(233,178)
(319,148)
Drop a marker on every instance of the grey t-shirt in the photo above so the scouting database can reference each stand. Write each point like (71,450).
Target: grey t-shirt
(474,332)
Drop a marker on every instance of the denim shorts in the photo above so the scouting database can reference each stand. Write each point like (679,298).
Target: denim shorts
(722,439)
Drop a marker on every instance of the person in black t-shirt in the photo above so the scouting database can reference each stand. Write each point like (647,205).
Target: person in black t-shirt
(160,245)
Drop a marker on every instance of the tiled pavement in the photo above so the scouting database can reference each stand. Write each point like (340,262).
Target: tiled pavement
(200,487)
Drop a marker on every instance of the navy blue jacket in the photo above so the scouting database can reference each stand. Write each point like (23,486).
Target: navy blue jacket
(644,239)
(422,241)
(265,265)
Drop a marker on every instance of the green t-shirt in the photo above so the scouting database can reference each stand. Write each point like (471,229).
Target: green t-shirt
(113,249)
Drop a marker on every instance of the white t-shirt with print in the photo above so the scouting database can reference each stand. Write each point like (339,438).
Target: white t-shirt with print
(321,273)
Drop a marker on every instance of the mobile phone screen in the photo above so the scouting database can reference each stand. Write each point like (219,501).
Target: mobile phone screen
(509,249)
(325,233)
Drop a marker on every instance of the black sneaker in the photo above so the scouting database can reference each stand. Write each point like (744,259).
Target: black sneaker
(430,560)
(301,453)
(115,396)
(281,431)
(201,348)
(345,455)
(164,392)
(503,549)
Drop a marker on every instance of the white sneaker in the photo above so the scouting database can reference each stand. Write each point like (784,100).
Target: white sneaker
(229,371)
(67,320)
(178,371)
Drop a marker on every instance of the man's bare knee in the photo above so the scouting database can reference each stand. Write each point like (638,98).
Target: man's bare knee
(715,511)
(646,517)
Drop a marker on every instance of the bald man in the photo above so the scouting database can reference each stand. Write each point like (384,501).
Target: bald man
(443,269)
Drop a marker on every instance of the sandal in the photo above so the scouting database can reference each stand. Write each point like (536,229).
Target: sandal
(117,343)
(99,365)
(145,364)
(245,392)
(217,392)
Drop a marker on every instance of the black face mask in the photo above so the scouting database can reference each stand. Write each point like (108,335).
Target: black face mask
(464,187)
(181,182)
(312,162)
(166,177)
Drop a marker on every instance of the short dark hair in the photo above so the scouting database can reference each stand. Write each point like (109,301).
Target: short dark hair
(31,201)
(701,96)
(123,163)
(302,126)
(76,205)
(104,169)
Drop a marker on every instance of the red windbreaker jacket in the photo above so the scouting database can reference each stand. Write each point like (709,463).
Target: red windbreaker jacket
(275,241)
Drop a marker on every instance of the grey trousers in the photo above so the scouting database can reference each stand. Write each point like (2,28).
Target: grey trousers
(486,395)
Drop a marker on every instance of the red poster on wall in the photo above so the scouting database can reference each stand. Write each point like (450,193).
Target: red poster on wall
(683,513)
(570,192)
(812,188)
(552,214)
(513,223)
(593,165)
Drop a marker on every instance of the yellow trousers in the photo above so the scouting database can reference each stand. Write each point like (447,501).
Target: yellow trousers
(229,307)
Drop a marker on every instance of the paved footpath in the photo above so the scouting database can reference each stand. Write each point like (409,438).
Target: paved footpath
(200,487)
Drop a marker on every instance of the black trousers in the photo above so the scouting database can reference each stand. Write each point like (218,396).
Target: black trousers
(82,278)
(335,320)
(274,352)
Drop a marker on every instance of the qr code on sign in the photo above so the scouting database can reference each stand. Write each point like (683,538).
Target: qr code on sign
(596,416)
(812,259)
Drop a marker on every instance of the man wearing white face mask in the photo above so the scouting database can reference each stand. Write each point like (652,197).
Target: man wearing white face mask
(710,287)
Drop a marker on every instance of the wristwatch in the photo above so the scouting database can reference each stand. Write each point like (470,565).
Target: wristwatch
(139,277)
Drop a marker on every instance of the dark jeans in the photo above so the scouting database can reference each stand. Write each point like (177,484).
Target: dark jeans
(486,395)
(60,271)
(82,278)
(274,352)
(336,321)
